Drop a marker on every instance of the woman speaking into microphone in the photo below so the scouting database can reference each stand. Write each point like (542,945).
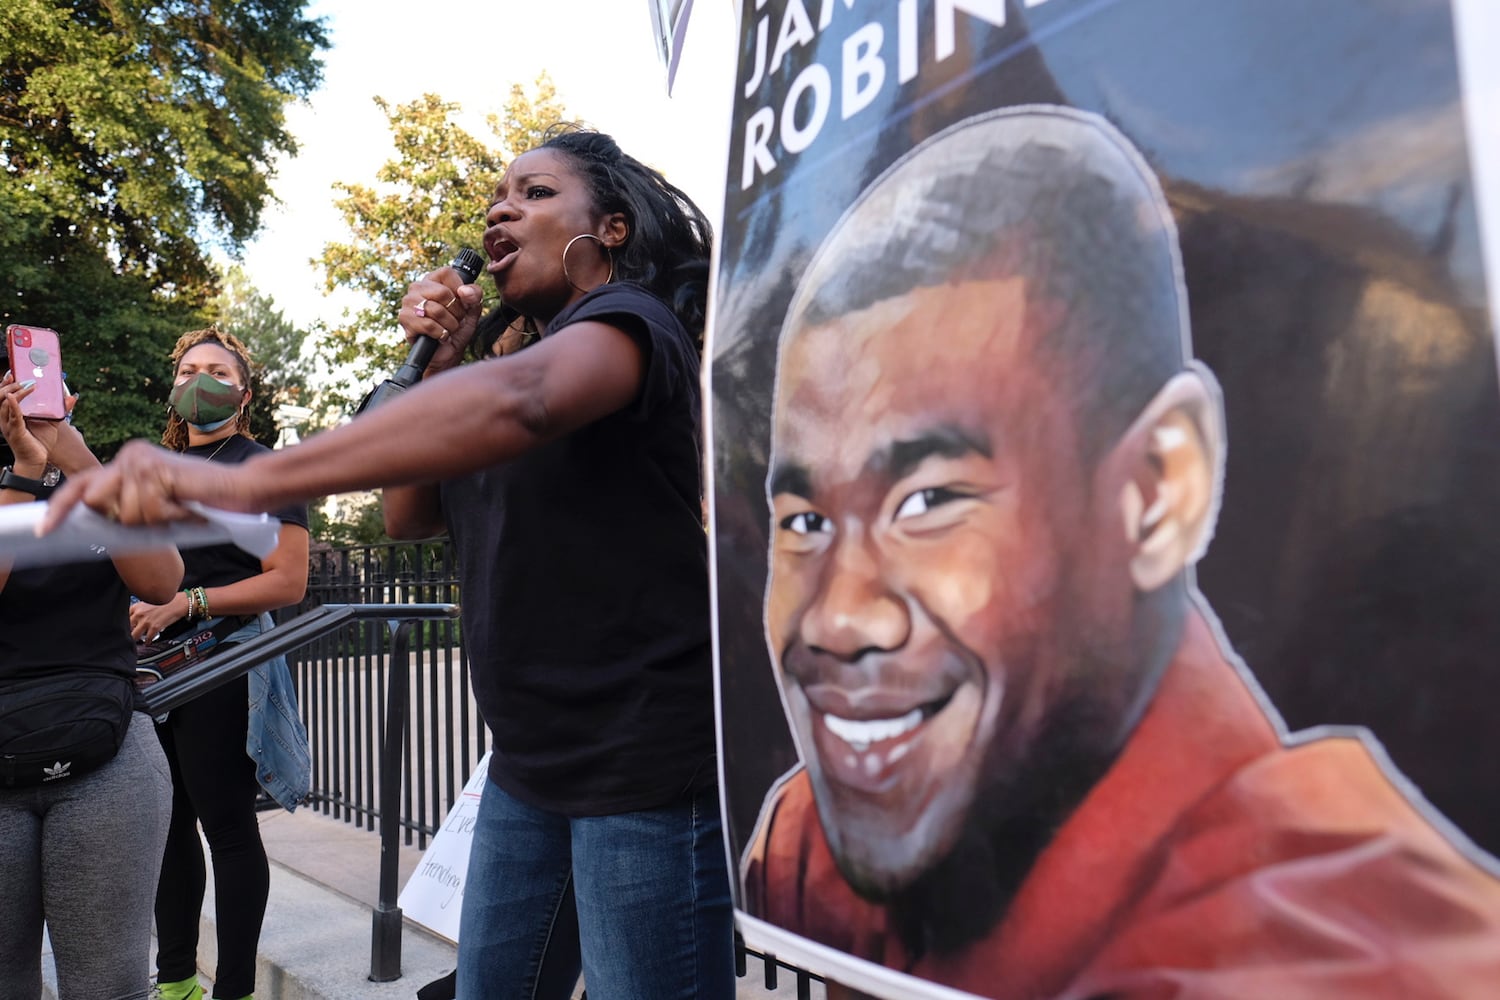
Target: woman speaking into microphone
(569,475)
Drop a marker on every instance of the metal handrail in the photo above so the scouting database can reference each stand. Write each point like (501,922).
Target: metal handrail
(386,920)
(200,678)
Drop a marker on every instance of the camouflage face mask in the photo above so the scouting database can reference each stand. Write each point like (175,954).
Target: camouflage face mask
(206,403)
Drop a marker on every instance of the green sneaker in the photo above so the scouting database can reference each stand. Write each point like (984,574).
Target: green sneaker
(186,989)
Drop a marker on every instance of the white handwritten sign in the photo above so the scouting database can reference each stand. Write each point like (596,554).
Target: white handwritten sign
(434,894)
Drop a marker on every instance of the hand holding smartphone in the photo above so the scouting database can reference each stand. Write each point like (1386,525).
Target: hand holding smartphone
(34,357)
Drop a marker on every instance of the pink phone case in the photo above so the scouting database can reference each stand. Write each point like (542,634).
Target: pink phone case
(34,355)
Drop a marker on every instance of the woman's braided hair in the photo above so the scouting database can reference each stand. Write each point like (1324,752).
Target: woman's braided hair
(666,250)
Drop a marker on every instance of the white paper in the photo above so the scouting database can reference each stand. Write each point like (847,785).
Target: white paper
(434,894)
(86,535)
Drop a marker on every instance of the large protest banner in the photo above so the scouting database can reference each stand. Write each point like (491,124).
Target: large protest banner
(1104,444)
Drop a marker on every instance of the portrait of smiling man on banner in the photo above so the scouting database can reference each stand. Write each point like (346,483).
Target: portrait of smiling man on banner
(1031,766)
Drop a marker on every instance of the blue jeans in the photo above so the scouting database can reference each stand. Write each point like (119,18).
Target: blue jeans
(654,918)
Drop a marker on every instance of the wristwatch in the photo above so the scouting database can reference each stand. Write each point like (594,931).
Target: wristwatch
(39,488)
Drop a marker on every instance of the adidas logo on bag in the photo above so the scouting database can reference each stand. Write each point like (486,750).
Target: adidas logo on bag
(59,769)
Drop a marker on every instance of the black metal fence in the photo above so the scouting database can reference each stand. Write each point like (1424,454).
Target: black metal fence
(341,678)
(341,682)
(304,630)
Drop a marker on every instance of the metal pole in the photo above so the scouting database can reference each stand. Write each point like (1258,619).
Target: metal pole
(385,942)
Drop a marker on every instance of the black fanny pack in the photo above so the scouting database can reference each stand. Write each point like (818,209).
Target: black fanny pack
(55,728)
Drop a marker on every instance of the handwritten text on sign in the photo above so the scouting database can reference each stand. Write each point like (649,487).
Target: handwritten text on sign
(434,894)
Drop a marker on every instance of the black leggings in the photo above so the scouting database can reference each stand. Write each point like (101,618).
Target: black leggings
(213,781)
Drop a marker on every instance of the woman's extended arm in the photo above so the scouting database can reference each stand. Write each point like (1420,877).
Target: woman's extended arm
(412,512)
(152,574)
(472,417)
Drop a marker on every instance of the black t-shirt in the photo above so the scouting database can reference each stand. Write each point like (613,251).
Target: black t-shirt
(584,571)
(65,617)
(220,565)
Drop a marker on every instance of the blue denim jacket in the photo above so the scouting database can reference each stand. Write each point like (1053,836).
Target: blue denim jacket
(277,740)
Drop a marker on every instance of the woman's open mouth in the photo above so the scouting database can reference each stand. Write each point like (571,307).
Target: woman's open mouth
(501,252)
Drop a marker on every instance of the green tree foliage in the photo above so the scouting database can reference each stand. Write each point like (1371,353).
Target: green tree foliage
(279,375)
(426,203)
(134,137)
(348,519)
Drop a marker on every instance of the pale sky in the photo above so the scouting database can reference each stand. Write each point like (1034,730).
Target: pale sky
(599,53)
(601,56)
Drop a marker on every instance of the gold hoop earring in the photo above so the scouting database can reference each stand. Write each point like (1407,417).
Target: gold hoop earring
(607,252)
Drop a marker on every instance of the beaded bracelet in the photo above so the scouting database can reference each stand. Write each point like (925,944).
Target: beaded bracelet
(192,603)
(202,602)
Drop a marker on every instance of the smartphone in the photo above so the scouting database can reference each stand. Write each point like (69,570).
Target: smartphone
(34,356)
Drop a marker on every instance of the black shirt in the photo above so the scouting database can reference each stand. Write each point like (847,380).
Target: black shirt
(220,565)
(584,576)
(65,617)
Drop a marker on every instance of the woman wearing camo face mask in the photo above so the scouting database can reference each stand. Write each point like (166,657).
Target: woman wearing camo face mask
(230,742)
(205,402)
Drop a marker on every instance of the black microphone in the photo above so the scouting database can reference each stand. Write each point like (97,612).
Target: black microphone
(468,264)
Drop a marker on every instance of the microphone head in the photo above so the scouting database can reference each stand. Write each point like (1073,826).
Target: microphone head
(468,263)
